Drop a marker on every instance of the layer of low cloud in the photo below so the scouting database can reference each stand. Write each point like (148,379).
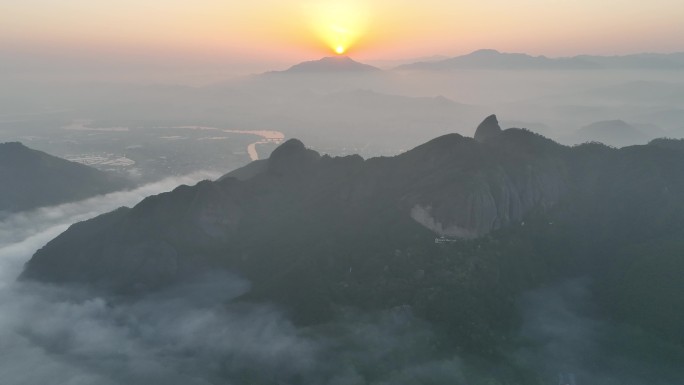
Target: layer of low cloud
(194,334)
(191,334)
(23,233)
(566,335)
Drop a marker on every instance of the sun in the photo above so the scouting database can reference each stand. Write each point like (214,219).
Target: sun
(338,24)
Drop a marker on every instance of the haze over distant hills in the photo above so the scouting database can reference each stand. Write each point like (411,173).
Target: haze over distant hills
(495,60)
(308,103)
(492,59)
(335,64)
(31,179)
(614,133)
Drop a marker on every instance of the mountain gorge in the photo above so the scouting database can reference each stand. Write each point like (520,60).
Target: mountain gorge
(456,229)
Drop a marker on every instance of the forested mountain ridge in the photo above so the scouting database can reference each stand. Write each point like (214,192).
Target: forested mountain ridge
(313,233)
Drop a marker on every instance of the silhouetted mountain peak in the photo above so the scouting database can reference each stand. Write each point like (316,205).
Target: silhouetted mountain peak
(290,147)
(13,145)
(487,129)
(291,155)
(33,178)
(331,64)
(485,52)
(13,152)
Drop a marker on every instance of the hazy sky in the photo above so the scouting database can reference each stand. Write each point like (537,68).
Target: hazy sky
(223,33)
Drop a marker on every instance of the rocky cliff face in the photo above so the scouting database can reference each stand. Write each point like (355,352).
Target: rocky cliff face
(487,129)
(495,185)
(496,198)
(330,64)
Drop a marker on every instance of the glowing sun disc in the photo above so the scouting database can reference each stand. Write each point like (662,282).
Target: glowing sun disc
(338,24)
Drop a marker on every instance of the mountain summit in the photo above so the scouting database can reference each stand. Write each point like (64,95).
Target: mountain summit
(331,64)
(487,129)
(492,59)
(291,156)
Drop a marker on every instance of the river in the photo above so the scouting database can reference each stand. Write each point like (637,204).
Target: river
(267,136)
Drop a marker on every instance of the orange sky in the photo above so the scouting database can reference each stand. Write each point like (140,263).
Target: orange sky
(291,31)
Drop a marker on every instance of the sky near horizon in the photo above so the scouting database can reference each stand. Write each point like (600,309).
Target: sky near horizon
(138,32)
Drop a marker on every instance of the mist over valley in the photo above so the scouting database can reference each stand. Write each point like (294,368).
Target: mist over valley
(341,192)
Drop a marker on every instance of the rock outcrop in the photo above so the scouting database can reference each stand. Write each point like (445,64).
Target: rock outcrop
(487,129)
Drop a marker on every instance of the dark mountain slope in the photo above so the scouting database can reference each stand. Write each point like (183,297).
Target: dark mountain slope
(32,179)
(314,233)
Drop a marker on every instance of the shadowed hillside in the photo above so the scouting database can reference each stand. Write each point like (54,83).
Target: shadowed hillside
(456,229)
(32,179)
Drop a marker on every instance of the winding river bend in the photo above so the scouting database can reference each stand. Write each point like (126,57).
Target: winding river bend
(275,137)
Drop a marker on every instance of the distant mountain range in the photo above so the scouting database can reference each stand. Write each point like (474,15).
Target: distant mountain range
(492,59)
(453,229)
(32,179)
